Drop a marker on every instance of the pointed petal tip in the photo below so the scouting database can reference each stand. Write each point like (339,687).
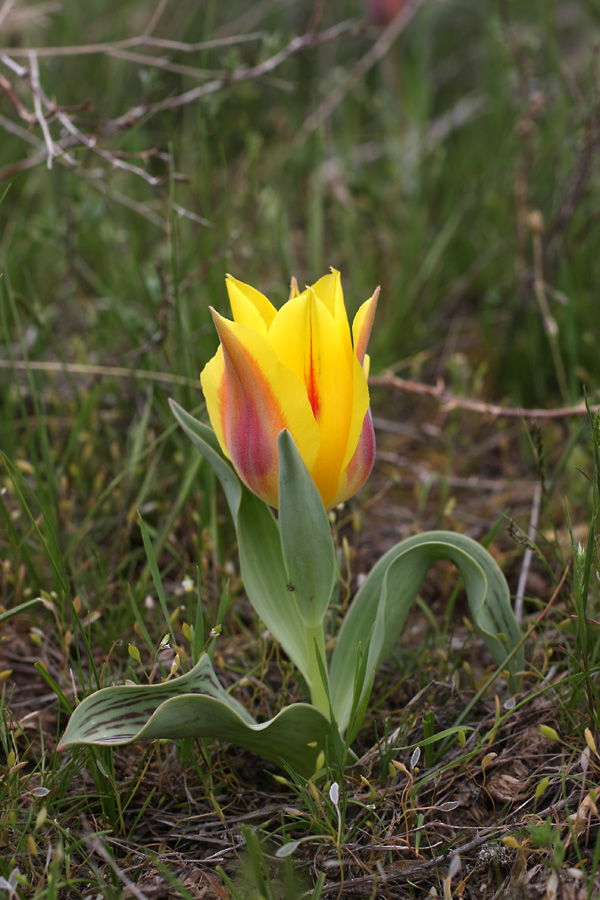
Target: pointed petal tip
(221,322)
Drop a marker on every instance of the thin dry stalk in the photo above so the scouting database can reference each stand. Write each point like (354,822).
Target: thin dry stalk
(449,401)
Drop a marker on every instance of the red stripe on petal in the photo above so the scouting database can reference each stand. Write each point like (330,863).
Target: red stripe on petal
(312,377)
(252,419)
(361,463)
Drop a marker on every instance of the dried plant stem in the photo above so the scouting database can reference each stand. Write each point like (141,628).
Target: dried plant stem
(528,555)
(305,42)
(46,112)
(37,105)
(450,401)
(539,288)
(5,10)
(438,392)
(142,40)
(102,371)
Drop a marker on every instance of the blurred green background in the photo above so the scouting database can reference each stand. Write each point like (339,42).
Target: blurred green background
(420,179)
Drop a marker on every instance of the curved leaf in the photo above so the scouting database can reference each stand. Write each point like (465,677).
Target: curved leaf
(265,579)
(306,541)
(196,705)
(377,614)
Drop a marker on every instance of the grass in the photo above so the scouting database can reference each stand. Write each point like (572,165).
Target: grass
(427,177)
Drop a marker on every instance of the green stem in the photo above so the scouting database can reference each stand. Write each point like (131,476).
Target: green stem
(319,691)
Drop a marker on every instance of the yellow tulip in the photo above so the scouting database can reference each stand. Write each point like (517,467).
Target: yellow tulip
(295,368)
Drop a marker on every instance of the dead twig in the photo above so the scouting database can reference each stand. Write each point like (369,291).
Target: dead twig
(305,42)
(5,10)
(142,40)
(46,111)
(449,401)
(37,105)
(76,137)
(362,886)
(103,371)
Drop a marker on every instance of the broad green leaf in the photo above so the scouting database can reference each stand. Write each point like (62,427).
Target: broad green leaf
(261,558)
(265,579)
(196,705)
(382,604)
(306,541)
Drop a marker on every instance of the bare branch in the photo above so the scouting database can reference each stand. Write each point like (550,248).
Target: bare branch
(163,63)
(156,16)
(37,105)
(15,129)
(450,401)
(75,135)
(5,10)
(139,41)
(304,42)
(102,371)
(79,138)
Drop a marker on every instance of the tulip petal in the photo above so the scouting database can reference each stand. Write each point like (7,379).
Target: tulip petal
(360,451)
(249,306)
(306,338)
(329,291)
(359,467)
(256,398)
(360,405)
(212,379)
(361,327)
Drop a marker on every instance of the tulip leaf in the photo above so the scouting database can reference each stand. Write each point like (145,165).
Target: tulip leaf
(196,705)
(261,557)
(205,440)
(377,614)
(265,579)
(306,541)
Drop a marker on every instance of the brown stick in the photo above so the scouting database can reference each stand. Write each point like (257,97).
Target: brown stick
(449,401)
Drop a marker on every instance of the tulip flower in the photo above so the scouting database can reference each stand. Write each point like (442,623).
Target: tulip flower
(297,368)
(288,399)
